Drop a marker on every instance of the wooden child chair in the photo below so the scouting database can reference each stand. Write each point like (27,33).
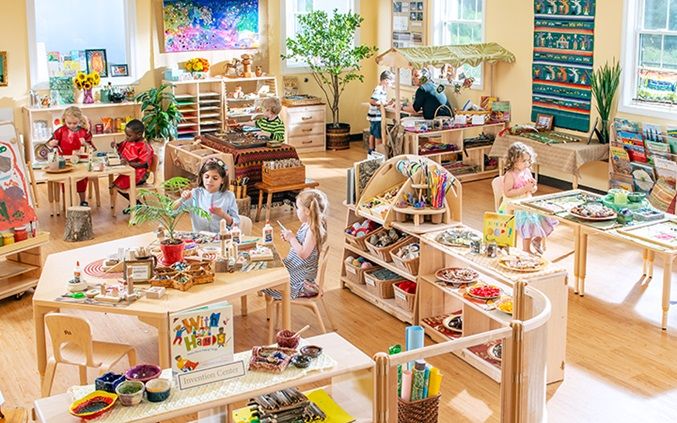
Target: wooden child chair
(72,344)
(311,303)
(152,183)
(497,188)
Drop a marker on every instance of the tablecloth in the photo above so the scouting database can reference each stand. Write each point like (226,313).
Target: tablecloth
(567,158)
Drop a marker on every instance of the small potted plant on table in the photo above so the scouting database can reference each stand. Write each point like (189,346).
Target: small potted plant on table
(160,207)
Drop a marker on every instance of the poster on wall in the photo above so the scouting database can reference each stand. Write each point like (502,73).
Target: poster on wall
(198,25)
(562,62)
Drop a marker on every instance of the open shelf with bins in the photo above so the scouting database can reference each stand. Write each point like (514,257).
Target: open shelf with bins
(21,265)
(201,103)
(40,123)
(438,299)
(473,156)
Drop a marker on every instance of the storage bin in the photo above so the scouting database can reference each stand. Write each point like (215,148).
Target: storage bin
(403,298)
(421,411)
(384,252)
(359,242)
(381,287)
(355,274)
(409,266)
(284,176)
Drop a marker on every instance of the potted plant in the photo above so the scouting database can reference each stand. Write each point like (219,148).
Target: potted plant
(604,83)
(326,45)
(161,114)
(161,208)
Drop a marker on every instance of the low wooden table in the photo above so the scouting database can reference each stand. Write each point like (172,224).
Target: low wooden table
(270,190)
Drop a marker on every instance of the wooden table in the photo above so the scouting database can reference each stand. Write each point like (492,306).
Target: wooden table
(566,158)
(582,230)
(58,269)
(71,178)
(270,190)
(351,387)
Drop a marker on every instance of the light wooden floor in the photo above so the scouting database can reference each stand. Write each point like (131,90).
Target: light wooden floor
(620,365)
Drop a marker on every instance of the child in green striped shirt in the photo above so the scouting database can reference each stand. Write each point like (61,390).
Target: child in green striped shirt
(270,124)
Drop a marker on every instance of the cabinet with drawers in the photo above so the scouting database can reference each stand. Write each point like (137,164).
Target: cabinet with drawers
(305,127)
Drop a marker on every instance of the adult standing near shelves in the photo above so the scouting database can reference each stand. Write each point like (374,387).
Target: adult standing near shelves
(429,96)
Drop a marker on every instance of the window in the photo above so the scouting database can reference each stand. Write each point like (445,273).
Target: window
(650,58)
(460,22)
(292,9)
(60,31)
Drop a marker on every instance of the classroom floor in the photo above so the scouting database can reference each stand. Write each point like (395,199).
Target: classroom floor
(620,364)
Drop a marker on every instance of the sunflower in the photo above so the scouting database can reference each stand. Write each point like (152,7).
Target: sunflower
(96,77)
(87,85)
(81,76)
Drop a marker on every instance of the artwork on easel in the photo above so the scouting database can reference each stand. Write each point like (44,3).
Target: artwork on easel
(198,25)
(364,170)
(16,204)
(661,233)
(499,228)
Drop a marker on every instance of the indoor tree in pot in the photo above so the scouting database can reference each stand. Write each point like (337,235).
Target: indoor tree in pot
(161,208)
(604,84)
(326,45)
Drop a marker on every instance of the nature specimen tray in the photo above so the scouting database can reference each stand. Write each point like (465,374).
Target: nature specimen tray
(562,202)
(663,233)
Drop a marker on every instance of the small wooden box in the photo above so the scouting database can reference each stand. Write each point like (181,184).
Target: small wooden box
(286,176)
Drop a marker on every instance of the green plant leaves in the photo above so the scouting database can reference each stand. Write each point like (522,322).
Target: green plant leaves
(604,84)
(160,113)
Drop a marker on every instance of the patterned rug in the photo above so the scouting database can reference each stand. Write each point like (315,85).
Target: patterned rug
(562,65)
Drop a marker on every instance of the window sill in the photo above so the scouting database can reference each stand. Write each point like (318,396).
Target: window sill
(650,110)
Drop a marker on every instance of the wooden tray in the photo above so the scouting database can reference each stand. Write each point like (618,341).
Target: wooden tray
(68,168)
(663,233)
(502,263)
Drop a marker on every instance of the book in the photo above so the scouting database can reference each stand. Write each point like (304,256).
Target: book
(659,147)
(626,125)
(487,102)
(621,182)
(201,337)
(643,177)
(620,160)
(500,111)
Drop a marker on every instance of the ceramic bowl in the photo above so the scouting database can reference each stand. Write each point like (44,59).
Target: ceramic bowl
(287,339)
(312,351)
(300,361)
(157,390)
(108,382)
(93,405)
(636,197)
(130,392)
(143,372)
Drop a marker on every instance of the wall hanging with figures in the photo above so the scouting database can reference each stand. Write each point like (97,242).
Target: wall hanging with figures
(197,25)
(562,65)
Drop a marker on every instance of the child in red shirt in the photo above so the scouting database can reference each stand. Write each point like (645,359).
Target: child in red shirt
(137,153)
(70,137)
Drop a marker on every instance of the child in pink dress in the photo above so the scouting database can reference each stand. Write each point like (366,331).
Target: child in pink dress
(519,183)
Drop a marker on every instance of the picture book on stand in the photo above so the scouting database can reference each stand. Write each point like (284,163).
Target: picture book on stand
(201,338)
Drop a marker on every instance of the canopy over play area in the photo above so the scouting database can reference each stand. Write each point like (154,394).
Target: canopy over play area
(455,55)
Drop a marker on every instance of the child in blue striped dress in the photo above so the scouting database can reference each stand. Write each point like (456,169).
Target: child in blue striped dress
(304,254)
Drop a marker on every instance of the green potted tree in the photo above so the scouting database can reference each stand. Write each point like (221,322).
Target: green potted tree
(326,45)
(161,114)
(160,207)
(604,84)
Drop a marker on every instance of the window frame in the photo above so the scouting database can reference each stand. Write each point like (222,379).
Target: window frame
(633,14)
(130,31)
(285,20)
(437,27)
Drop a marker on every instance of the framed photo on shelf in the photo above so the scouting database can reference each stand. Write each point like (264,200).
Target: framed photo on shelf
(3,68)
(544,121)
(138,270)
(96,61)
(119,70)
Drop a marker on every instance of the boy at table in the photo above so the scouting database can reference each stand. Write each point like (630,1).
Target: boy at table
(137,153)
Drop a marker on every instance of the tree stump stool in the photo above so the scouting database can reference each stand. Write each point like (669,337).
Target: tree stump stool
(244,206)
(78,224)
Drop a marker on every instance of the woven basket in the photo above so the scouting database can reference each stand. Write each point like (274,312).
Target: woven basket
(361,242)
(410,266)
(380,287)
(404,299)
(295,101)
(421,411)
(354,274)
(384,252)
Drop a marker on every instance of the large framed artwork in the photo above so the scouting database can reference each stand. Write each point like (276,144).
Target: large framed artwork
(16,203)
(97,62)
(195,25)
(3,68)
(562,65)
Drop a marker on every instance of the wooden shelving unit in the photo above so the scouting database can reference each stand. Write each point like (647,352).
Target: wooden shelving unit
(243,109)
(456,136)
(21,265)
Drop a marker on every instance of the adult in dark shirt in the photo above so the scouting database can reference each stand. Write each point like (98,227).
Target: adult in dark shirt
(429,96)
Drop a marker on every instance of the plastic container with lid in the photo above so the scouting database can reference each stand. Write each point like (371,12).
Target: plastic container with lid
(7,238)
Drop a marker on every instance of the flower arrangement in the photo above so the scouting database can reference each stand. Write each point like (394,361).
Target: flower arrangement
(197,64)
(83,81)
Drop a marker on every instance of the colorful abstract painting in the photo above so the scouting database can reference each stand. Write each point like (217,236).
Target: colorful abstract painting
(16,205)
(196,25)
(562,65)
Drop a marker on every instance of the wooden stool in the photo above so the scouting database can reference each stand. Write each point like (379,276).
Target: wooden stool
(78,224)
(270,190)
(244,206)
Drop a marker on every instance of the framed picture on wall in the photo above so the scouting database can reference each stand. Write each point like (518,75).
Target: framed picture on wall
(119,70)
(544,121)
(3,68)
(96,61)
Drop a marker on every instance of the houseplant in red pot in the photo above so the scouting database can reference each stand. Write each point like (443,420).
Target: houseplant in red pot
(160,207)
(327,46)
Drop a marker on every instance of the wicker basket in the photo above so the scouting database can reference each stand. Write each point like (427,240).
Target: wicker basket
(354,274)
(165,283)
(421,411)
(300,100)
(183,286)
(403,298)
(409,266)
(384,252)
(382,288)
(361,242)
(284,176)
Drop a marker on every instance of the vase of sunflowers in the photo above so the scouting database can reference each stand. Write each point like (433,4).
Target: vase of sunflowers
(198,67)
(83,84)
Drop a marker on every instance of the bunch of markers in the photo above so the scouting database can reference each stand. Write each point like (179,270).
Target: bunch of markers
(438,186)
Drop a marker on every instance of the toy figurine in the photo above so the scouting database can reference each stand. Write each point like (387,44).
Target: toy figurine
(258,71)
(238,93)
(246,66)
